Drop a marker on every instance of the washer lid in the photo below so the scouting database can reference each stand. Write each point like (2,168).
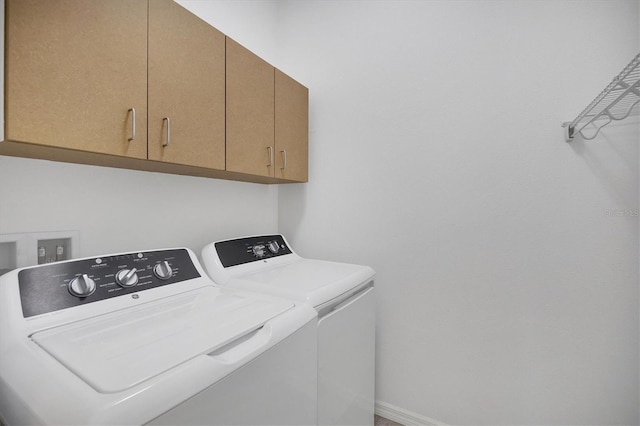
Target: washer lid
(310,280)
(119,350)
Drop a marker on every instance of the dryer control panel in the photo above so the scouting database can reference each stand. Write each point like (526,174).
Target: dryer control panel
(62,285)
(250,249)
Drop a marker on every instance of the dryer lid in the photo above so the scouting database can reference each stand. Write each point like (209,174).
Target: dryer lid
(313,281)
(119,350)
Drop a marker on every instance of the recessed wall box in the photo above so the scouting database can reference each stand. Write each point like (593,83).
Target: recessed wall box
(33,248)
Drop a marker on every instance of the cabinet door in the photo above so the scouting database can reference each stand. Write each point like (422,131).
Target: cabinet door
(250,112)
(74,69)
(291,128)
(186,88)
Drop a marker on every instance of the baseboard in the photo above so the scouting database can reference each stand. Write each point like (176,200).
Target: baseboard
(404,417)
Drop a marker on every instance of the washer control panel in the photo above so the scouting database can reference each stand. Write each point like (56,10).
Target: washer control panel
(64,285)
(250,249)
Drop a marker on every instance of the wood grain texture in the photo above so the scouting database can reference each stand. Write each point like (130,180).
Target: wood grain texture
(291,128)
(73,69)
(186,84)
(250,111)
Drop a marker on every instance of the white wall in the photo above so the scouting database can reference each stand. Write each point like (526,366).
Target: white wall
(507,280)
(507,283)
(249,22)
(121,210)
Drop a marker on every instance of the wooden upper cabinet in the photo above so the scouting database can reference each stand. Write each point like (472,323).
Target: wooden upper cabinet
(250,112)
(93,81)
(186,88)
(74,69)
(291,129)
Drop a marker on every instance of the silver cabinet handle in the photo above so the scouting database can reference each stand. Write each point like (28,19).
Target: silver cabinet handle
(270,150)
(284,159)
(133,124)
(168,120)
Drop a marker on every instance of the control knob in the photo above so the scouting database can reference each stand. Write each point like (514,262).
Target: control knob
(82,286)
(163,270)
(273,246)
(127,277)
(258,250)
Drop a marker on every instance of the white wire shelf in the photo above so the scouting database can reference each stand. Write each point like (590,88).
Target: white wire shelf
(619,100)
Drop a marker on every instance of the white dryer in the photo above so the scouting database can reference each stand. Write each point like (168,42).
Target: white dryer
(146,338)
(343,295)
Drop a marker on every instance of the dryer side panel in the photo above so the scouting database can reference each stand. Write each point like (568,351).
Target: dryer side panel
(346,363)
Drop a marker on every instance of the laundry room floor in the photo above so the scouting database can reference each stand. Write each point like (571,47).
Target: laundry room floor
(381,421)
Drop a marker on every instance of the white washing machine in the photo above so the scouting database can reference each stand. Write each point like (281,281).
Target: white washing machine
(343,295)
(146,338)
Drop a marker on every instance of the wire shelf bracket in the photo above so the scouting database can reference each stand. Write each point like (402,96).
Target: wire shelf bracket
(619,100)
